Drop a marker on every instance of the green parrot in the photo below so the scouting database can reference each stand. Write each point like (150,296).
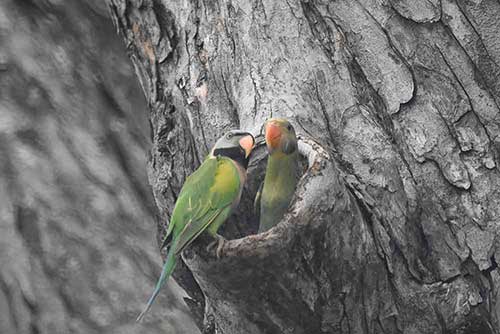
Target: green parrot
(206,200)
(278,187)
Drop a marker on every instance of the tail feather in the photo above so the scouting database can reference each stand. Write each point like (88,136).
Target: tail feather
(167,270)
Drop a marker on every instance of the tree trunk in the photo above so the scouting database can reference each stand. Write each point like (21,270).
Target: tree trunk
(76,251)
(394,225)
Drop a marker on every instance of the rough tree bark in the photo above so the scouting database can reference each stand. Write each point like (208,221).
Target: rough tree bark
(395,222)
(75,209)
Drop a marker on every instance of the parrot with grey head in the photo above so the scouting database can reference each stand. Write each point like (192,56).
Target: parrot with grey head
(206,199)
(280,180)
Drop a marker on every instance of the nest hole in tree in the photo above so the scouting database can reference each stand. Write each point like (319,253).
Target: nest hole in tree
(245,220)
(247,253)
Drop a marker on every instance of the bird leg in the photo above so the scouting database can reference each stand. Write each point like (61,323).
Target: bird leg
(219,241)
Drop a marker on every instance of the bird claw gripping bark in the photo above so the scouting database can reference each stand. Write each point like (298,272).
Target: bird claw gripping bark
(218,243)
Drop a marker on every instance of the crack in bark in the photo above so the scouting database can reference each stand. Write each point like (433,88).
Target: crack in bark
(256,96)
(459,5)
(324,111)
(234,115)
(487,131)
(495,97)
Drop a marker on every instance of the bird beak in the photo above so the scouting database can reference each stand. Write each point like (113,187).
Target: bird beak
(273,134)
(247,143)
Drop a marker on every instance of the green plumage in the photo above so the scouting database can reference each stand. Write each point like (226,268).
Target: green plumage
(205,202)
(278,189)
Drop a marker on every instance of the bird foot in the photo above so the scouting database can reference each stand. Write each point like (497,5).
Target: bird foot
(218,243)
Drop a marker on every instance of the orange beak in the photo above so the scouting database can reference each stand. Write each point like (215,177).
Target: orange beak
(247,144)
(273,135)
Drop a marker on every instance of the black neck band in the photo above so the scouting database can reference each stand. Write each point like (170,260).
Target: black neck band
(235,153)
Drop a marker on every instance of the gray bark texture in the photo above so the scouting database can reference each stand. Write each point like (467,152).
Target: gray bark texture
(394,226)
(77,251)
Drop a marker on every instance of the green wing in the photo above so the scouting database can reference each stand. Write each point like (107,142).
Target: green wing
(207,196)
(202,178)
(205,201)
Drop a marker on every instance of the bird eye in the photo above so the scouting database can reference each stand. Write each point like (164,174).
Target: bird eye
(229,135)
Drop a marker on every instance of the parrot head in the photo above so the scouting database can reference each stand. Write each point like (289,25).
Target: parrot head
(236,145)
(280,136)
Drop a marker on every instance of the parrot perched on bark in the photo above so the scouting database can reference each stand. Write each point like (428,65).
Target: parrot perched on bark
(206,200)
(281,173)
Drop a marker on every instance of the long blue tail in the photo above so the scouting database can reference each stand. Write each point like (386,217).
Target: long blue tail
(167,270)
